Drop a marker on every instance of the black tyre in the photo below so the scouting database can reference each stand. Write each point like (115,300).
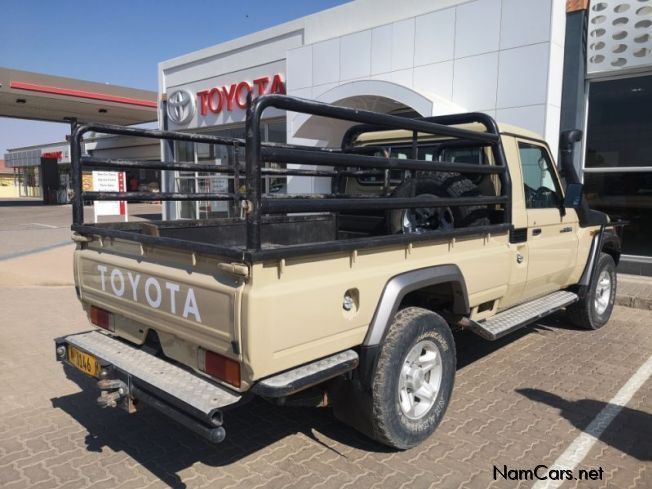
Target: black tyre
(413,378)
(441,184)
(594,310)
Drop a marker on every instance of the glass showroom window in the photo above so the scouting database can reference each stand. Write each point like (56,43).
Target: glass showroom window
(29,181)
(618,163)
(206,182)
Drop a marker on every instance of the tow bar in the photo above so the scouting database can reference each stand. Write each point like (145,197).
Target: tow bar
(130,378)
(112,391)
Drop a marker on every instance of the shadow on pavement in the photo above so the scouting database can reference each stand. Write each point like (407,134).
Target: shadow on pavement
(558,320)
(165,448)
(21,203)
(149,217)
(470,347)
(630,432)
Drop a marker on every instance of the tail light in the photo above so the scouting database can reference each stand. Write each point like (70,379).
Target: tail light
(102,318)
(220,367)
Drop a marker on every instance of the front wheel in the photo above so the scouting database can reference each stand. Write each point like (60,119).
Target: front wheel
(594,310)
(413,379)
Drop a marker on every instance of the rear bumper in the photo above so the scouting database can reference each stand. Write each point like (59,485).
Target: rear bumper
(129,375)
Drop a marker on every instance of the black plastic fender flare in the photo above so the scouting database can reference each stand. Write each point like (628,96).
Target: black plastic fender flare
(400,285)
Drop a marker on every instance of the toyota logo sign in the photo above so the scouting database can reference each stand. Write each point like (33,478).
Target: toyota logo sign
(181,107)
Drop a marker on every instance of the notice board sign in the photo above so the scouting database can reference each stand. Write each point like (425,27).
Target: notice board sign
(109,181)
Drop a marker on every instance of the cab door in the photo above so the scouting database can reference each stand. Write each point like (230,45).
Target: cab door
(552,232)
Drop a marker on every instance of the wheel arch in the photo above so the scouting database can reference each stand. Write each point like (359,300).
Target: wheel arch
(611,244)
(400,286)
(605,241)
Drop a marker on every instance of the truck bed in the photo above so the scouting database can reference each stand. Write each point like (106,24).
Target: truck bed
(231,232)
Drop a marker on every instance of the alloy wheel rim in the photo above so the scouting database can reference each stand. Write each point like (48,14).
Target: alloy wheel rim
(420,379)
(602,292)
(421,220)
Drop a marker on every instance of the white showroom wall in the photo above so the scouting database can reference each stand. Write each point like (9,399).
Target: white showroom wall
(502,57)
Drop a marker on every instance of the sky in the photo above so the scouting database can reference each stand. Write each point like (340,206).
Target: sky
(121,41)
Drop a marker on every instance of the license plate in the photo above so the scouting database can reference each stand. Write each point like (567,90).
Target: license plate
(83,361)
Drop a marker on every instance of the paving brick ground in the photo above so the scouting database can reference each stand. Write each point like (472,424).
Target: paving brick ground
(634,291)
(518,402)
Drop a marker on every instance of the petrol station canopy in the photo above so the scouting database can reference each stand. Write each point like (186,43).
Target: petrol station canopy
(36,96)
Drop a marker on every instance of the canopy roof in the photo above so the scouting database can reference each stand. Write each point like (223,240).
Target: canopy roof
(27,95)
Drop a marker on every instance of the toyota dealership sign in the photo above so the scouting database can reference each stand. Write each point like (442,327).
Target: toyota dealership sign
(218,100)
(181,107)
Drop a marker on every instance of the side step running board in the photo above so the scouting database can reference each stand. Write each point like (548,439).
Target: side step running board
(308,375)
(516,317)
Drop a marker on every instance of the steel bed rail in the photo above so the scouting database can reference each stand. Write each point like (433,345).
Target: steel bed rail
(119,163)
(344,161)
(364,161)
(289,251)
(496,145)
(254,148)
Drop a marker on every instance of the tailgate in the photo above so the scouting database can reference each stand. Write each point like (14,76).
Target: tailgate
(196,302)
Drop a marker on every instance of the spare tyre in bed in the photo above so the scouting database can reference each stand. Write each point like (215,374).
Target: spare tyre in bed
(441,184)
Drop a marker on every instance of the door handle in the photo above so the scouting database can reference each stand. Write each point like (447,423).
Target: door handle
(536,232)
(566,229)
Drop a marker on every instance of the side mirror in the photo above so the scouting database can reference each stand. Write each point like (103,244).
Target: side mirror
(574,195)
(570,137)
(567,140)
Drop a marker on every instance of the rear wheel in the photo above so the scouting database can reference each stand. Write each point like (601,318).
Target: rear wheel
(594,310)
(413,380)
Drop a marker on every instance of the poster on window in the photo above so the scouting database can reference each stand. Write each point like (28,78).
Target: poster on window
(219,185)
(109,181)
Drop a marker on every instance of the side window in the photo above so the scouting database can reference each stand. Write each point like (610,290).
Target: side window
(541,188)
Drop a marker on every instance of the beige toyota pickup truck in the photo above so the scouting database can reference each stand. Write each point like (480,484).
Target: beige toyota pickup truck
(348,299)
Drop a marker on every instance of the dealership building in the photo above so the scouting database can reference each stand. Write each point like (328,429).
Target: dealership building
(545,65)
(43,170)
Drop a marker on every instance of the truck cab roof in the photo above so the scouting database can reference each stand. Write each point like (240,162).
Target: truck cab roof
(406,136)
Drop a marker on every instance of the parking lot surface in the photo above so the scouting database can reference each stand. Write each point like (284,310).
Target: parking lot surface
(518,403)
(26,225)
